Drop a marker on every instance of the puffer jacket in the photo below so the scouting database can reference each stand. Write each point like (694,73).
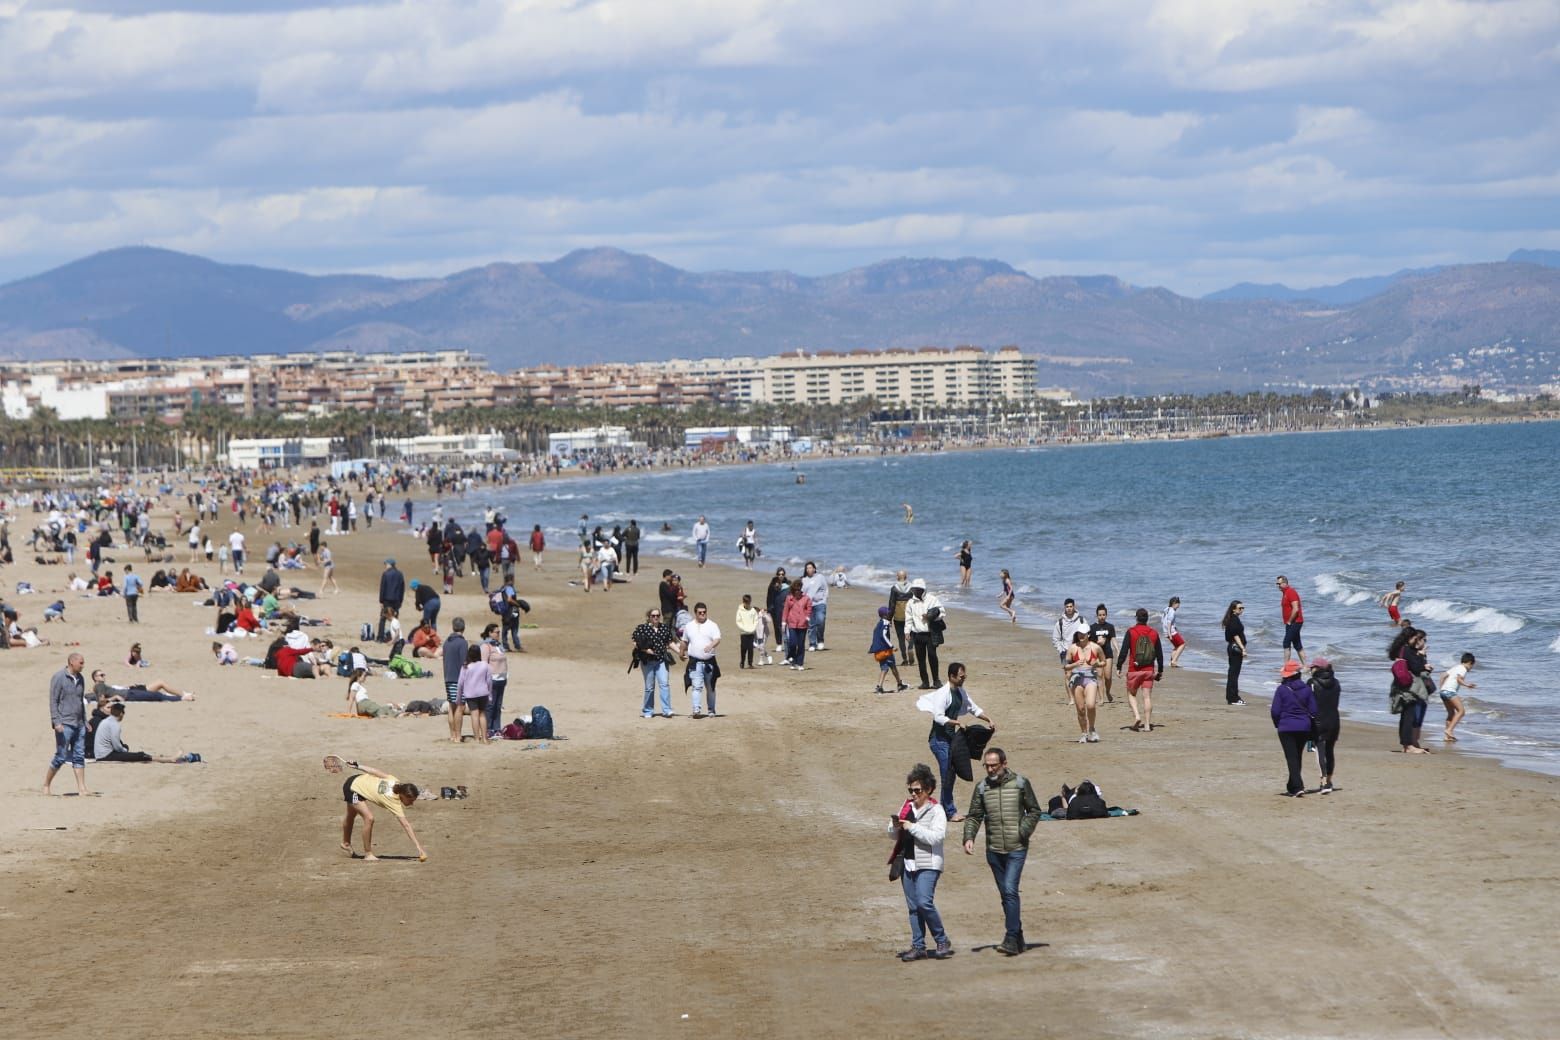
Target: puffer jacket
(1008,806)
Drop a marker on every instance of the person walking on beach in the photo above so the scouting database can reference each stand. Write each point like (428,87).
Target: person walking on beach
(68,717)
(882,651)
(539,547)
(1173,634)
(1325,688)
(946,705)
(796,614)
(747,631)
(774,601)
(918,622)
(131,590)
(1390,600)
(702,637)
(392,593)
(922,825)
(1143,657)
(1289,607)
(236,547)
(327,569)
(817,588)
(631,548)
(1083,677)
(654,646)
(1006,597)
(1068,625)
(1294,706)
(1235,650)
(966,557)
(1104,635)
(898,597)
(1451,698)
(701,539)
(1007,805)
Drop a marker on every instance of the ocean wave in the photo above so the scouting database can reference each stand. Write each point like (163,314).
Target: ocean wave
(1336,588)
(1555,646)
(869,577)
(1484,620)
(659,537)
(562,496)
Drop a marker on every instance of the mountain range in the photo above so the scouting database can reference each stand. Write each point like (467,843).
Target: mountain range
(1495,323)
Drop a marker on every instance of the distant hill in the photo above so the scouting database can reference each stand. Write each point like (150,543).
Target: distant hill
(1542,257)
(1341,295)
(1096,333)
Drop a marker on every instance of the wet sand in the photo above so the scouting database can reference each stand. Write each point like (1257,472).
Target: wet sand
(731,869)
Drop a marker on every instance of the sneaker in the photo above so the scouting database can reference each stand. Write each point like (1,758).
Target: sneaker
(902,687)
(697,715)
(1237,704)
(1083,739)
(943,952)
(912,955)
(1010,946)
(820,646)
(1094,738)
(1326,787)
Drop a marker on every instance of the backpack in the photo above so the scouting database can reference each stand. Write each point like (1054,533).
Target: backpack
(402,667)
(344,663)
(514,731)
(541,727)
(496,604)
(1143,650)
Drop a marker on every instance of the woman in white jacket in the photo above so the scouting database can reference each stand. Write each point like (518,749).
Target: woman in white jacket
(926,825)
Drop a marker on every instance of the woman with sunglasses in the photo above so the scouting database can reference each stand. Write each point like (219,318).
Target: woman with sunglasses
(654,642)
(1235,644)
(922,825)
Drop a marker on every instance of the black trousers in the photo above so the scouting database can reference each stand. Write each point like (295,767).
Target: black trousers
(926,653)
(131,603)
(745,659)
(1326,740)
(630,559)
(1294,752)
(1232,678)
(899,630)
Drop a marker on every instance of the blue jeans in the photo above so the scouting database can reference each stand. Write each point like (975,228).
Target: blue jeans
(1006,869)
(920,889)
(820,614)
(70,746)
(703,548)
(655,675)
(942,750)
(796,644)
(430,611)
(495,712)
(696,673)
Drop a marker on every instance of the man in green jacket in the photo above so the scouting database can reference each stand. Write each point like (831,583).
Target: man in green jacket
(1008,806)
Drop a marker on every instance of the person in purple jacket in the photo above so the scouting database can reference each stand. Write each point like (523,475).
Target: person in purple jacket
(1294,712)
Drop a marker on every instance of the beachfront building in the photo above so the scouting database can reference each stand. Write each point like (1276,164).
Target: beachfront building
(277,452)
(591,440)
(761,436)
(442,446)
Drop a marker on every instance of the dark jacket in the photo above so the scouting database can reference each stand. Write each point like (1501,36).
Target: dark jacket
(1007,805)
(1293,706)
(1324,687)
(454,656)
(392,588)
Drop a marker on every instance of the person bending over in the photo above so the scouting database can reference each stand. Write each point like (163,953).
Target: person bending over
(372,787)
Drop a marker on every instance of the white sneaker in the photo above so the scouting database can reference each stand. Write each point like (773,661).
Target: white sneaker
(1094,738)
(1083,739)
(820,646)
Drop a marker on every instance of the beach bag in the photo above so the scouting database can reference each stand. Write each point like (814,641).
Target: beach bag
(344,663)
(883,655)
(1400,673)
(1143,650)
(541,727)
(402,667)
(514,731)
(496,604)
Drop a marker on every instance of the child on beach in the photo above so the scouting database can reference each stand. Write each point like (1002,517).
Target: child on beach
(1455,679)
(747,631)
(1173,634)
(882,651)
(1390,600)
(1005,600)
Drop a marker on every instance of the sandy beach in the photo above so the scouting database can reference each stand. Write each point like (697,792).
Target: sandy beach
(731,869)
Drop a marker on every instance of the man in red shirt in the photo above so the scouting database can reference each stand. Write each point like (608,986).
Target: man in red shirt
(1289,606)
(1143,657)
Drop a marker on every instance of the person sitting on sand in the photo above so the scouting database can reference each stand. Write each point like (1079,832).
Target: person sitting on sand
(372,787)
(224,653)
(359,704)
(109,744)
(425,641)
(153,692)
(17,637)
(134,659)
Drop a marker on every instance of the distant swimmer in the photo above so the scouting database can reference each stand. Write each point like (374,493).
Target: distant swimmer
(1390,600)
(801,478)
(909,513)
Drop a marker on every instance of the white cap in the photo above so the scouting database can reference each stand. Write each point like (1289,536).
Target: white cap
(918,584)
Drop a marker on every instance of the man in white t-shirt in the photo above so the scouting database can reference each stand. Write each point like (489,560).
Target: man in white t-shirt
(236,546)
(703,636)
(701,539)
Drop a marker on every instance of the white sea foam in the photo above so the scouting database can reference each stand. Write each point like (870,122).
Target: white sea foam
(1555,646)
(870,577)
(1335,588)
(1484,620)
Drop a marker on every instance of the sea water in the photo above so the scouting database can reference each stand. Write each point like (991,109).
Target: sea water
(1464,515)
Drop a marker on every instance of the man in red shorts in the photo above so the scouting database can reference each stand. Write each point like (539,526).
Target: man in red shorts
(1289,605)
(1143,657)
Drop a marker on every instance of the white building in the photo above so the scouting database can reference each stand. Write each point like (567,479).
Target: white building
(278,452)
(443,445)
(694,436)
(597,438)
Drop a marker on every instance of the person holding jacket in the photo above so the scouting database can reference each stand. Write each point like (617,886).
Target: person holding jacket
(1294,708)
(945,705)
(1007,804)
(922,609)
(923,825)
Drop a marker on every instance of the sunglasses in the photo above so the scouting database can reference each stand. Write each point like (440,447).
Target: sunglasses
(655,613)
(992,765)
(913,790)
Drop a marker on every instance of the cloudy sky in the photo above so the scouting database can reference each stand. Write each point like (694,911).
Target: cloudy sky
(1184,143)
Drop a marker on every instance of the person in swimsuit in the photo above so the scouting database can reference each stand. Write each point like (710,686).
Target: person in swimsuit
(1390,600)
(1083,681)
(1005,601)
(1173,634)
(966,559)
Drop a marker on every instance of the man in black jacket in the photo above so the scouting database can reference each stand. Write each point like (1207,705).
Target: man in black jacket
(392,593)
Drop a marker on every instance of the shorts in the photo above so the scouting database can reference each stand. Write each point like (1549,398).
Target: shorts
(1176,640)
(302,670)
(476,703)
(1450,695)
(1392,612)
(452,693)
(1292,636)
(1139,680)
(1082,678)
(348,795)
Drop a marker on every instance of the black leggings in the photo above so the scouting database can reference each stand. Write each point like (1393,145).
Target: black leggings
(1294,751)
(1326,739)
(745,658)
(899,630)
(1412,718)
(1232,679)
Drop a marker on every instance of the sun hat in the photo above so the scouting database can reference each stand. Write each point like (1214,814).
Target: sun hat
(1290,668)
(918,584)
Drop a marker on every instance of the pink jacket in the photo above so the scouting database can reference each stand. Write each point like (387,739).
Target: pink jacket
(798,610)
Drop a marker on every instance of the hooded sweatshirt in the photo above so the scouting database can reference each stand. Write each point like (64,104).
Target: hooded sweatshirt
(1293,706)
